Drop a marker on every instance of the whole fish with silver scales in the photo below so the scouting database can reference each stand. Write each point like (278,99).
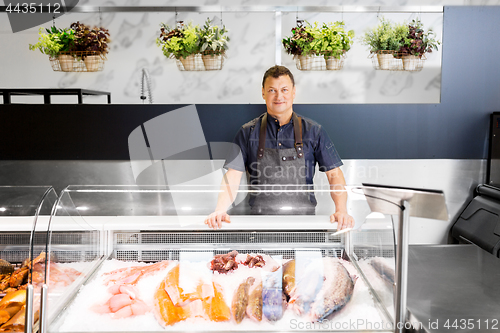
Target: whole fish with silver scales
(334,293)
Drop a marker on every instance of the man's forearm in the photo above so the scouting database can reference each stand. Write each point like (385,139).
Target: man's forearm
(337,186)
(228,189)
(340,199)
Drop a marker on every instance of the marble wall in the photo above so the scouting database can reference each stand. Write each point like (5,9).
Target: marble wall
(252,50)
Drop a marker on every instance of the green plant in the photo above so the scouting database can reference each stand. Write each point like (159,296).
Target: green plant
(385,36)
(300,41)
(90,39)
(330,40)
(212,39)
(54,41)
(179,42)
(334,40)
(418,42)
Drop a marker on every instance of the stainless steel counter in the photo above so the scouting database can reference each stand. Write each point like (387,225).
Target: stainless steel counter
(453,288)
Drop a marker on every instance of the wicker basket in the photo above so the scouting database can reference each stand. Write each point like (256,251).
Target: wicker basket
(318,63)
(199,62)
(213,62)
(397,61)
(335,64)
(78,61)
(413,63)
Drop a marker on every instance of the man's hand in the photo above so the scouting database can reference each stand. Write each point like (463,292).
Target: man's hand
(344,220)
(215,219)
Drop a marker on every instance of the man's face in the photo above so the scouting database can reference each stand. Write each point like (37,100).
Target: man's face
(279,94)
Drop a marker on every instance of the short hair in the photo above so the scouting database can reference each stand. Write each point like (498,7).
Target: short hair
(277,71)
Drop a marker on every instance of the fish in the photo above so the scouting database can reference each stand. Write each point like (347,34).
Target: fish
(15,297)
(215,307)
(274,304)
(173,305)
(4,281)
(18,277)
(383,269)
(336,290)
(16,323)
(4,317)
(166,312)
(308,279)
(254,307)
(6,267)
(273,295)
(288,277)
(240,300)
(132,275)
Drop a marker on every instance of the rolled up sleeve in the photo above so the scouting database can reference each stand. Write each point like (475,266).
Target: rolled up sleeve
(325,153)
(237,154)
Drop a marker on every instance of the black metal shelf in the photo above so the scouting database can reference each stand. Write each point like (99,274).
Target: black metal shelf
(48,92)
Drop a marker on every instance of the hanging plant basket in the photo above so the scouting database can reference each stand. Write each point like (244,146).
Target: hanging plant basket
(413,63)
(213,62)
(78,61)
(199,62)
(205,46)
(396,61)
(334,63)
(318,63)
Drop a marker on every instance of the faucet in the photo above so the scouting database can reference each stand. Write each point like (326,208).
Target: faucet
(145,76)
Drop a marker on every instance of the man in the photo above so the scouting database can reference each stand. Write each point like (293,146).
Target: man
(280,149)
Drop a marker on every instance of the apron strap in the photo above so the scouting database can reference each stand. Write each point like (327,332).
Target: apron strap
(262,137)
(297,129)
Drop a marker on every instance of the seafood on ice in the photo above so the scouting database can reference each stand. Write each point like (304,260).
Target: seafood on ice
(59,276)
(320,288)
(385,271)
(233,288)
(123,303)
(255,302)
(131,275)
(273,303)
(175,303)
(14,282)
(224,263)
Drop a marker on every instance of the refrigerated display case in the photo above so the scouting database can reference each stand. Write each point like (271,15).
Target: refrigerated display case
(149,263)
(24,215)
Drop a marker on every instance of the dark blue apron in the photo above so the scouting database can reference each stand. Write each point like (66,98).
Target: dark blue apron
(281,183)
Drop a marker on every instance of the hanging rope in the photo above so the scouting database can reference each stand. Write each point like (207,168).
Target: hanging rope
(299,22)
(221,23)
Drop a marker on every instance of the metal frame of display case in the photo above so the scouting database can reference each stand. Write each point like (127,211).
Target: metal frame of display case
(404,202)
(26,201)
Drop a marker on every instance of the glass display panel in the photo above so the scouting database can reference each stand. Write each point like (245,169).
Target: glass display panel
(24,215)
(75,248)
(373,246)
(164,269)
